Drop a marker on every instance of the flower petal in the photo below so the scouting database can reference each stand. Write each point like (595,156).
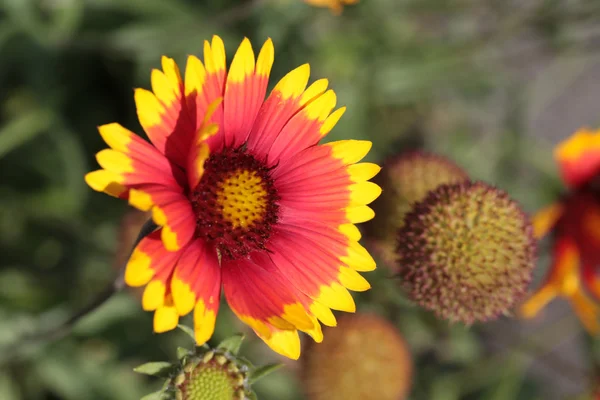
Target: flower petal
(306,127)
(200,148)
(196,285)
(204,84)
(587,311)
(177,283)
(173,211)
(347,250)
(363,171)
(349,151)
(315,268)
(150,259)
(562,279)
(591,279)
(318,185)
(336,6)
(545,219)
(133,171)
(537,301)
(163,114)
(292,118)
(284,342)
(579,157)
(154,295)
(261,297)
(170,209)
(245,90)
(321,263)
(107,182)
(276,111)
(165,316)
(131,162)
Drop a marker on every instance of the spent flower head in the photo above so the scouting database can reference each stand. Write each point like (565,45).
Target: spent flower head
(364,358)
(466,252)
(406,179)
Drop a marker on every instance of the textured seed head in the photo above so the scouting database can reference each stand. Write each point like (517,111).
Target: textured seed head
(466,252)
(405,180)
(363,358)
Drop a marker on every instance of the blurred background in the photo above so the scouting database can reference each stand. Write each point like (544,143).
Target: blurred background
(493,85)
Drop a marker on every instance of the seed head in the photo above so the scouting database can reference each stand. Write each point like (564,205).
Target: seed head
(363,358)
(466,252)
(405,180)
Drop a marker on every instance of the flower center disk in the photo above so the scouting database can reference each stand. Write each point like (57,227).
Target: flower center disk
(235,203)
(208,382)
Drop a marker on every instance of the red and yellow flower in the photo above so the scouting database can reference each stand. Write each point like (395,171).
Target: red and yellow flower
(575,222)
(246,198)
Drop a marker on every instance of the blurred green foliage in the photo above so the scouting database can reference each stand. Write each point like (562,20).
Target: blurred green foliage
(450,76)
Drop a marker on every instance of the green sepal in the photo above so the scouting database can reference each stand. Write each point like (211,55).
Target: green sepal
(251,395)
(189,331)
(232,344)
(161,369)
(182,352)
(154,396)
(202,349)
(263,371)
(245,362)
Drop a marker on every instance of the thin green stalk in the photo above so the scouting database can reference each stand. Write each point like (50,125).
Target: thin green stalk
(58,331)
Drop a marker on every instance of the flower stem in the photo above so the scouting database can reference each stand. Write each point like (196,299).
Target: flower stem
(58,331)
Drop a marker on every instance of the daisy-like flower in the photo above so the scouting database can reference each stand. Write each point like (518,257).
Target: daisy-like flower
(245,197)
(336,6)
(575,223)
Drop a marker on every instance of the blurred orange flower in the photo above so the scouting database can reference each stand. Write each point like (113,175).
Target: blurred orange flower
(575,224)
(336,6)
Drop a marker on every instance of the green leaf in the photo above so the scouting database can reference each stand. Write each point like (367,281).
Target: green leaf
(263,371)
(119,308)
(232,344)
(245,362)
(189,331)
(24,128)
(153,396)
(157,368)
(8,388)
(182,352)
(251,395)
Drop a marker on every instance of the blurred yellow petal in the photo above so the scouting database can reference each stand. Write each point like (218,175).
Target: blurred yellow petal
(587,311)
(546,218)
